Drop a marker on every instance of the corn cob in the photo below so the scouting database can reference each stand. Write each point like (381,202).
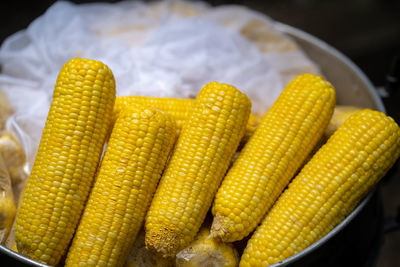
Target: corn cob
(201,156)
(271,157)
(140,257)
(328,188)
(72,141)
(7,204)
(135,157)
(177,107)
(206,251)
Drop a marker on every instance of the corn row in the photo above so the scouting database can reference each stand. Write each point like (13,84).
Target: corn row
(69,152)
(204,149)
(178,108)
(135,157)
(285,136)
(328,188)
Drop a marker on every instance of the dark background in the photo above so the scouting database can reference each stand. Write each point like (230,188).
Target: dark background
(367,31)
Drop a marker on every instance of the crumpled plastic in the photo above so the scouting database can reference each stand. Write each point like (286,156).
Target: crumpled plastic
(5,110)
(7,204)
(167,48)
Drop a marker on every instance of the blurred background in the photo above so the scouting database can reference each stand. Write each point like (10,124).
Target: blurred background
(367,31)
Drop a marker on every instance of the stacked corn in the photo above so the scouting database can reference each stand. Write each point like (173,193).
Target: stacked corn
(69,152)
(285,136)
(137,151)
(178,108)
(204,149)
(328,188)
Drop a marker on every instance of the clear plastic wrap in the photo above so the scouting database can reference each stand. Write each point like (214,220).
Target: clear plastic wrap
(5,110)
(14,160)
(166,48)
(7,204)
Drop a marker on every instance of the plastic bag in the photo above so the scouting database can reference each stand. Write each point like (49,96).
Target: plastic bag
(14,160)
(5,110)
(167,48)
(7,205)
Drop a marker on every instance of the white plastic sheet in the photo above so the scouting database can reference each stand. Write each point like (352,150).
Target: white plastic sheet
(169,48)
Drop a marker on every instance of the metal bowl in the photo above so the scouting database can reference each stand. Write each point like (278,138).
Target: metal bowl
(352,88)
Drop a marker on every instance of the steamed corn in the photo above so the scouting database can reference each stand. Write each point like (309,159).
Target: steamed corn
(285,136)
(135,157)
(178,108)
(327,189)
(204,149)
(72,141)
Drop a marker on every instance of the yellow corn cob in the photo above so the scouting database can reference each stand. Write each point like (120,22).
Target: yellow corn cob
(206,251)
(177,108)
(271,157)
(7,204)
(136,154)
(140,257)
(201,156)
(72,141)
(328,188)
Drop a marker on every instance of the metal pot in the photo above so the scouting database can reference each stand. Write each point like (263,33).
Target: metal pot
(359,230)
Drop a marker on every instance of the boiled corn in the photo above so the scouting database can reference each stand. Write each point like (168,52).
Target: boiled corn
(135,157)
(178,108)
(327,189)
(285,136)
(204,149)
(69,152)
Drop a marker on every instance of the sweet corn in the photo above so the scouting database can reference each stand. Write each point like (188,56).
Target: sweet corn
(178,108)
(285,136)
(206,251)
(72,141)
(135,157)
(327,189)
(204,149)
